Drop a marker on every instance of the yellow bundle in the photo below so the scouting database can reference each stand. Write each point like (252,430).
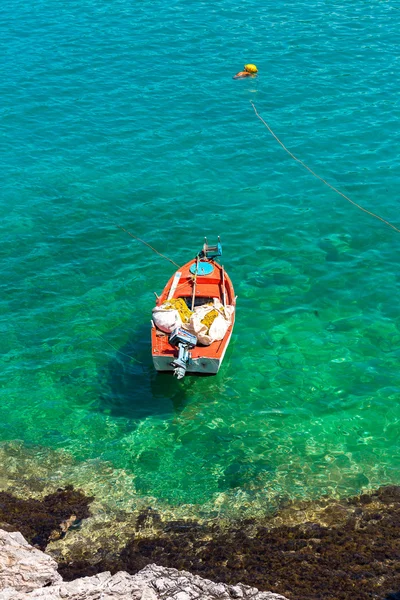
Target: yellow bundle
(251,68)
(180,305)
(210,318)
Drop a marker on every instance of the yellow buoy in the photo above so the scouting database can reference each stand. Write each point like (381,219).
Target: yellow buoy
(250,68)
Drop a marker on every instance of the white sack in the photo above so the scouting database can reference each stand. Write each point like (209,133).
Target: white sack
(218,328)
(197,328)
(166,319)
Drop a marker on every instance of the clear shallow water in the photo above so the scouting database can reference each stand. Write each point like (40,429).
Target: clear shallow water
(124,113)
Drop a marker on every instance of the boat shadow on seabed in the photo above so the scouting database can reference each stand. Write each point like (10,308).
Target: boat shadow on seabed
(132,388)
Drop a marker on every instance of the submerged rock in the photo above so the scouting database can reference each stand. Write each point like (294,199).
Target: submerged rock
(27,574)
(41,521)
(306,550)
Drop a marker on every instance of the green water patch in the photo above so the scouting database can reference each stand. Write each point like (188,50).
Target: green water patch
(304,405)
(131,389)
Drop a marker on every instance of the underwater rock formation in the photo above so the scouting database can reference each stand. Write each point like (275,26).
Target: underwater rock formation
(323,549)
(41,521)
(27,574)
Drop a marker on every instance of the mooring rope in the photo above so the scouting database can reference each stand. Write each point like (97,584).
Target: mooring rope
(320,178)
(145,243)
(116,349)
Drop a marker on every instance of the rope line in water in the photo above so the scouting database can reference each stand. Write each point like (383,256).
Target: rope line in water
(145,243)
(320,178)
(116,349)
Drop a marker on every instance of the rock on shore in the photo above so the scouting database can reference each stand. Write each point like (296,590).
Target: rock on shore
(26,573)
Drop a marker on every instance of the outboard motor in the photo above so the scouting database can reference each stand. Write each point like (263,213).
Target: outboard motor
(185,341)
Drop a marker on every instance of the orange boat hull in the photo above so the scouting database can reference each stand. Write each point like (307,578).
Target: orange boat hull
(204,359)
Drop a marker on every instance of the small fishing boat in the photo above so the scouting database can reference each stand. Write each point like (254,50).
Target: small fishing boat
(193,319)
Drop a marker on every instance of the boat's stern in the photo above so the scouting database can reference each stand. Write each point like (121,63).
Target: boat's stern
(205,366)
(201,360)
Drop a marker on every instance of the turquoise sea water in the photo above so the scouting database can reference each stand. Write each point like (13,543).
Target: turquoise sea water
(123,112)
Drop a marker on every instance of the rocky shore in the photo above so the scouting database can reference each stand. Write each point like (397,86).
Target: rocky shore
(26,573)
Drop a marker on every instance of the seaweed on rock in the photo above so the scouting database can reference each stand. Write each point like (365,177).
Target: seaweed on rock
(39,521)
(346,549)
(356,555)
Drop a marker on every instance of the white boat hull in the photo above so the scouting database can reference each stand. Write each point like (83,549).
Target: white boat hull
(203,364)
